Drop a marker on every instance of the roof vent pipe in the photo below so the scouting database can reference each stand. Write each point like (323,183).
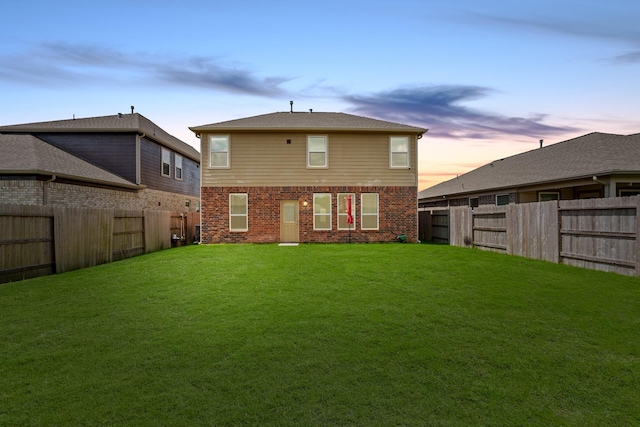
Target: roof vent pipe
(132,107)
(291,104)
(541,141)
(310,110)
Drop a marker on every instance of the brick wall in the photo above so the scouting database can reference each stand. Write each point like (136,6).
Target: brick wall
(397,214)
(70,195)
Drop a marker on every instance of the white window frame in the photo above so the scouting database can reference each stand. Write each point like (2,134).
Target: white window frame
(363,213)
(325,214)
(227,164)
(548,193)
(165,153)
(245,214)
(326,152)
(178,170)
(342,210)
(407,164)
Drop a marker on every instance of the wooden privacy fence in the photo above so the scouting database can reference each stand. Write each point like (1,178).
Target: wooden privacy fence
(600,234)
(433,226)
(40,240)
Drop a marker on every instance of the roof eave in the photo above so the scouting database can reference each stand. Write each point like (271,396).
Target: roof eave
(200,129)
(530,184)
(130,186)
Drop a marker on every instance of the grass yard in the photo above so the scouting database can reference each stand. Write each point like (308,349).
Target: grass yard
(321,335)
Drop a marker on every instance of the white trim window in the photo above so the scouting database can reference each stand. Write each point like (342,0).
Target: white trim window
(238,212)
(219,151)
(342,211)
(322,211)
(399,152)
(317,151)
(369,211)
(166,162)
(546,196)
(178,167)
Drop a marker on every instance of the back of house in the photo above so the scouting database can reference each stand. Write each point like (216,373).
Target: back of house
(308,177)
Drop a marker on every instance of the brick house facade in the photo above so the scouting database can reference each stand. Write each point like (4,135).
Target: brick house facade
(296,171)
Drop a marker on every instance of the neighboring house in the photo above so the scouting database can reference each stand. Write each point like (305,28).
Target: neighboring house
(123,161)
(591,166)
(287,177)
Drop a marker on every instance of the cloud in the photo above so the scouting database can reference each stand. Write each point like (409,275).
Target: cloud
(609,25)
(628,58)
(60,64)
(207,73)
(442,110)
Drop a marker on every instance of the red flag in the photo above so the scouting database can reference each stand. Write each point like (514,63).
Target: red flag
(349,212)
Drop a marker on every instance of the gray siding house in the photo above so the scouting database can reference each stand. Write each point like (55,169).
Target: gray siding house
(120,161)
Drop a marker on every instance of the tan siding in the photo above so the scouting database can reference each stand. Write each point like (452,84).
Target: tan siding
(267,160)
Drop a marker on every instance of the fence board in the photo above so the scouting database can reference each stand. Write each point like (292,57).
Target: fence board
(128,234)
(600,234)
(83,237)
(26,242)
(158,235)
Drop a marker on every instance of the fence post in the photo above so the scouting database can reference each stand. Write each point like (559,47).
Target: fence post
(637,242)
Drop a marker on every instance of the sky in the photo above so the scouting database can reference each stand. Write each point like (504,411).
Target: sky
(489,79)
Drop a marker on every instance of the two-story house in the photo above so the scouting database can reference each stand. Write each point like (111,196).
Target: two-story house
(121,161)
(290,177)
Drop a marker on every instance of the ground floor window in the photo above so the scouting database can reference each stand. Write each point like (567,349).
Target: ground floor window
(502,199)
(369,210)
(346,200)
(322,211)
(238,212)
(545,196)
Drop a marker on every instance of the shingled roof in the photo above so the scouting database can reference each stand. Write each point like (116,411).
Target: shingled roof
(26,154)
(115,123)
(582,157)
(308,121)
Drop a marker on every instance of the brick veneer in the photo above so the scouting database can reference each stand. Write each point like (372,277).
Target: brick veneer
(397,209)
(32,192)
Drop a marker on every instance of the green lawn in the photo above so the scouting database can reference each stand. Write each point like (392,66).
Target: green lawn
(321,335)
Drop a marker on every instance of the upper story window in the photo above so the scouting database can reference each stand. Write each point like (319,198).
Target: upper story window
(317,153)
(178,172)
(399,152)
(219,151)
(166,162)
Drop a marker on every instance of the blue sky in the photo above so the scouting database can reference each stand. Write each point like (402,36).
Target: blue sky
(488,79)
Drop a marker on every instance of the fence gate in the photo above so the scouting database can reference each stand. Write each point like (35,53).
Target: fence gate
(433,226)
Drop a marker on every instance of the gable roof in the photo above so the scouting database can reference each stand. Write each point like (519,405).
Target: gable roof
(115,123)
(26,154)
(582,157)
(312,121)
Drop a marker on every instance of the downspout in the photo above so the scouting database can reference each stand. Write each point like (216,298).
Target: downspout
(606,186)
(44,189)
